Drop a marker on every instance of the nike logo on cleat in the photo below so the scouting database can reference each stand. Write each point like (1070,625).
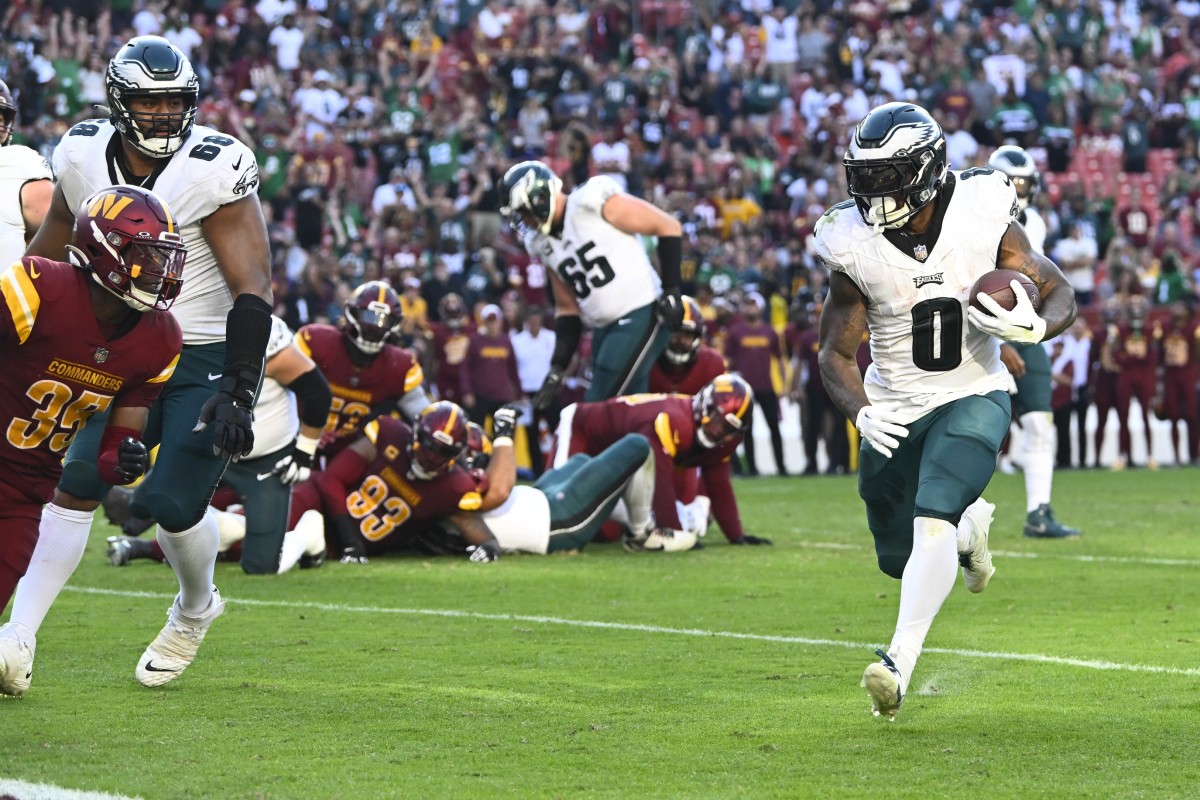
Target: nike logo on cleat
(151,668)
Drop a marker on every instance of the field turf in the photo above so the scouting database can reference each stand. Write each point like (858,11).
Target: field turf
(724,673)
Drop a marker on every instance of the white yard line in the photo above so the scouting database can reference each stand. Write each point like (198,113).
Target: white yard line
(1037,658)
(23,790)
(1155,562)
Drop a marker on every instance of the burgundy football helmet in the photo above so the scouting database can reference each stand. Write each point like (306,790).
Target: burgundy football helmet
(8,114)
(722,409)
(128,238)
(439,440)
(479,448)
(684,343)
(452,311)
(373,316)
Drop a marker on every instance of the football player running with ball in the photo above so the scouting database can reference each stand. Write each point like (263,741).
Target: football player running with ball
(600,275)
(203,417)
(78,339)
(932,408)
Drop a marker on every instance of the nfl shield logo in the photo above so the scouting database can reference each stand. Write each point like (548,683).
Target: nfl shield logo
(101,355)
(920,252)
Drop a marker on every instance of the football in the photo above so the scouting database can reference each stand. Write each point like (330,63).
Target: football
(996,284)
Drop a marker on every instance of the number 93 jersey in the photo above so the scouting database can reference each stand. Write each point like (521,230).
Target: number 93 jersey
(607,269)
(924,352)
(210,170)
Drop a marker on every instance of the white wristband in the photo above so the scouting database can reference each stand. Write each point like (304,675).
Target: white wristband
(307,444)
(503,441)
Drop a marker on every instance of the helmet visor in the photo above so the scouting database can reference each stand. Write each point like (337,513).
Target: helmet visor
(374,322)
(718,429)
(155,271)
(434,451)
(879,179)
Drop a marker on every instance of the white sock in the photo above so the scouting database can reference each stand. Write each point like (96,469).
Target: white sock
(1038,451)
(639,497)
(62,538)
(928,578)
(307,538)
(192,553)
(231,528)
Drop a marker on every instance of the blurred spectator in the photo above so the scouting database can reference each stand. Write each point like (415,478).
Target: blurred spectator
(287,39)
(1077,255)
(489,377)
(753,350)
(533,346)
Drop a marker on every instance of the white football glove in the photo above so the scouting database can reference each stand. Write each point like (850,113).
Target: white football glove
(296,466)
(1021,325)
(880,427)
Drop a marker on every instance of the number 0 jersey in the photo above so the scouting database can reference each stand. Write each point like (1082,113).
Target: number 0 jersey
(607,269)
(925,354)
(209,171)
(60,368)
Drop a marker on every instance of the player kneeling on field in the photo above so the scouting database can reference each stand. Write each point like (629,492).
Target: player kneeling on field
(702,431)
(80,338)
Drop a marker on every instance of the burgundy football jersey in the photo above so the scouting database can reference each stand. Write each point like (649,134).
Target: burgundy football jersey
(1179,346)
(708,365)
(60,367)
(389,505)
(391,374)
(450,350)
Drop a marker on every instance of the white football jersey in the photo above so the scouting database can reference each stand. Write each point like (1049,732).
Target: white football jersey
(925,353)
(607,269)
(210,170)
(18,166)
(1035,229)
(276,421)
(521,524)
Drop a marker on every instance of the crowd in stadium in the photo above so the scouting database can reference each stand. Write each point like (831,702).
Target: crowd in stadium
(382,130)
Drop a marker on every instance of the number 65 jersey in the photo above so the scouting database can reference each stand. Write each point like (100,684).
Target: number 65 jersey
(924,352)
(210,170)
(606,269)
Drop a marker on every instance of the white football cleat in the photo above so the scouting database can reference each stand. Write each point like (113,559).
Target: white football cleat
(176,644)
(663,540)
(976,560)
(882,682)
(17,644)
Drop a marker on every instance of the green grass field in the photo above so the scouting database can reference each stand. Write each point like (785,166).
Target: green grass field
(723,673)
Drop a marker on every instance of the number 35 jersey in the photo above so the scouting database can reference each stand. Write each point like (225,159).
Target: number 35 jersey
(607,269)
(924,352)
(60,368)
(210,170)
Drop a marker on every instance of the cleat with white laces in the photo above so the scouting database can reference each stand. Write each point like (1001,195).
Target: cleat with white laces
(176,644)
(17,644)
(976,560)
(882,682)
(123,549)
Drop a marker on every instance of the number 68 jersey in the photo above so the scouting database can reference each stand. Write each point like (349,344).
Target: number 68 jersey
(210,170)
(924,352)
(607,269)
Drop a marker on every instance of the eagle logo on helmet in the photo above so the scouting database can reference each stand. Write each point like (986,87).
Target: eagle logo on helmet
(1021,170)
(531,191)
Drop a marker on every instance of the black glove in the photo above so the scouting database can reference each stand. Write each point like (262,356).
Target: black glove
(504,422)
(550,387)
(751,540)
(233,435)
(354,555)
(670,309)
(483,553)
(296,466)
(133,459)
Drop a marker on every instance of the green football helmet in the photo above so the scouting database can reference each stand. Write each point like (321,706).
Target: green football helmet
(531,190)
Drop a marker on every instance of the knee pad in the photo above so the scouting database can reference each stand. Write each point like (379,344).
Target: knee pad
(1038,430)
(79,479)
(171,512)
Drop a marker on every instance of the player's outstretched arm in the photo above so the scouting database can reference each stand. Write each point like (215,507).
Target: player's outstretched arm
(502,469)
(54,235)
(633,215)
(1058,298)
(36,197)
(482,542)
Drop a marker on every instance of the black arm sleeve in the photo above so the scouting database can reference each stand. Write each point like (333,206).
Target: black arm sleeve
(247,331)
(313,396)
(567,332)
(670,254)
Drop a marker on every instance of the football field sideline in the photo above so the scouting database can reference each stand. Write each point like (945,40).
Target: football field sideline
(1037,658)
